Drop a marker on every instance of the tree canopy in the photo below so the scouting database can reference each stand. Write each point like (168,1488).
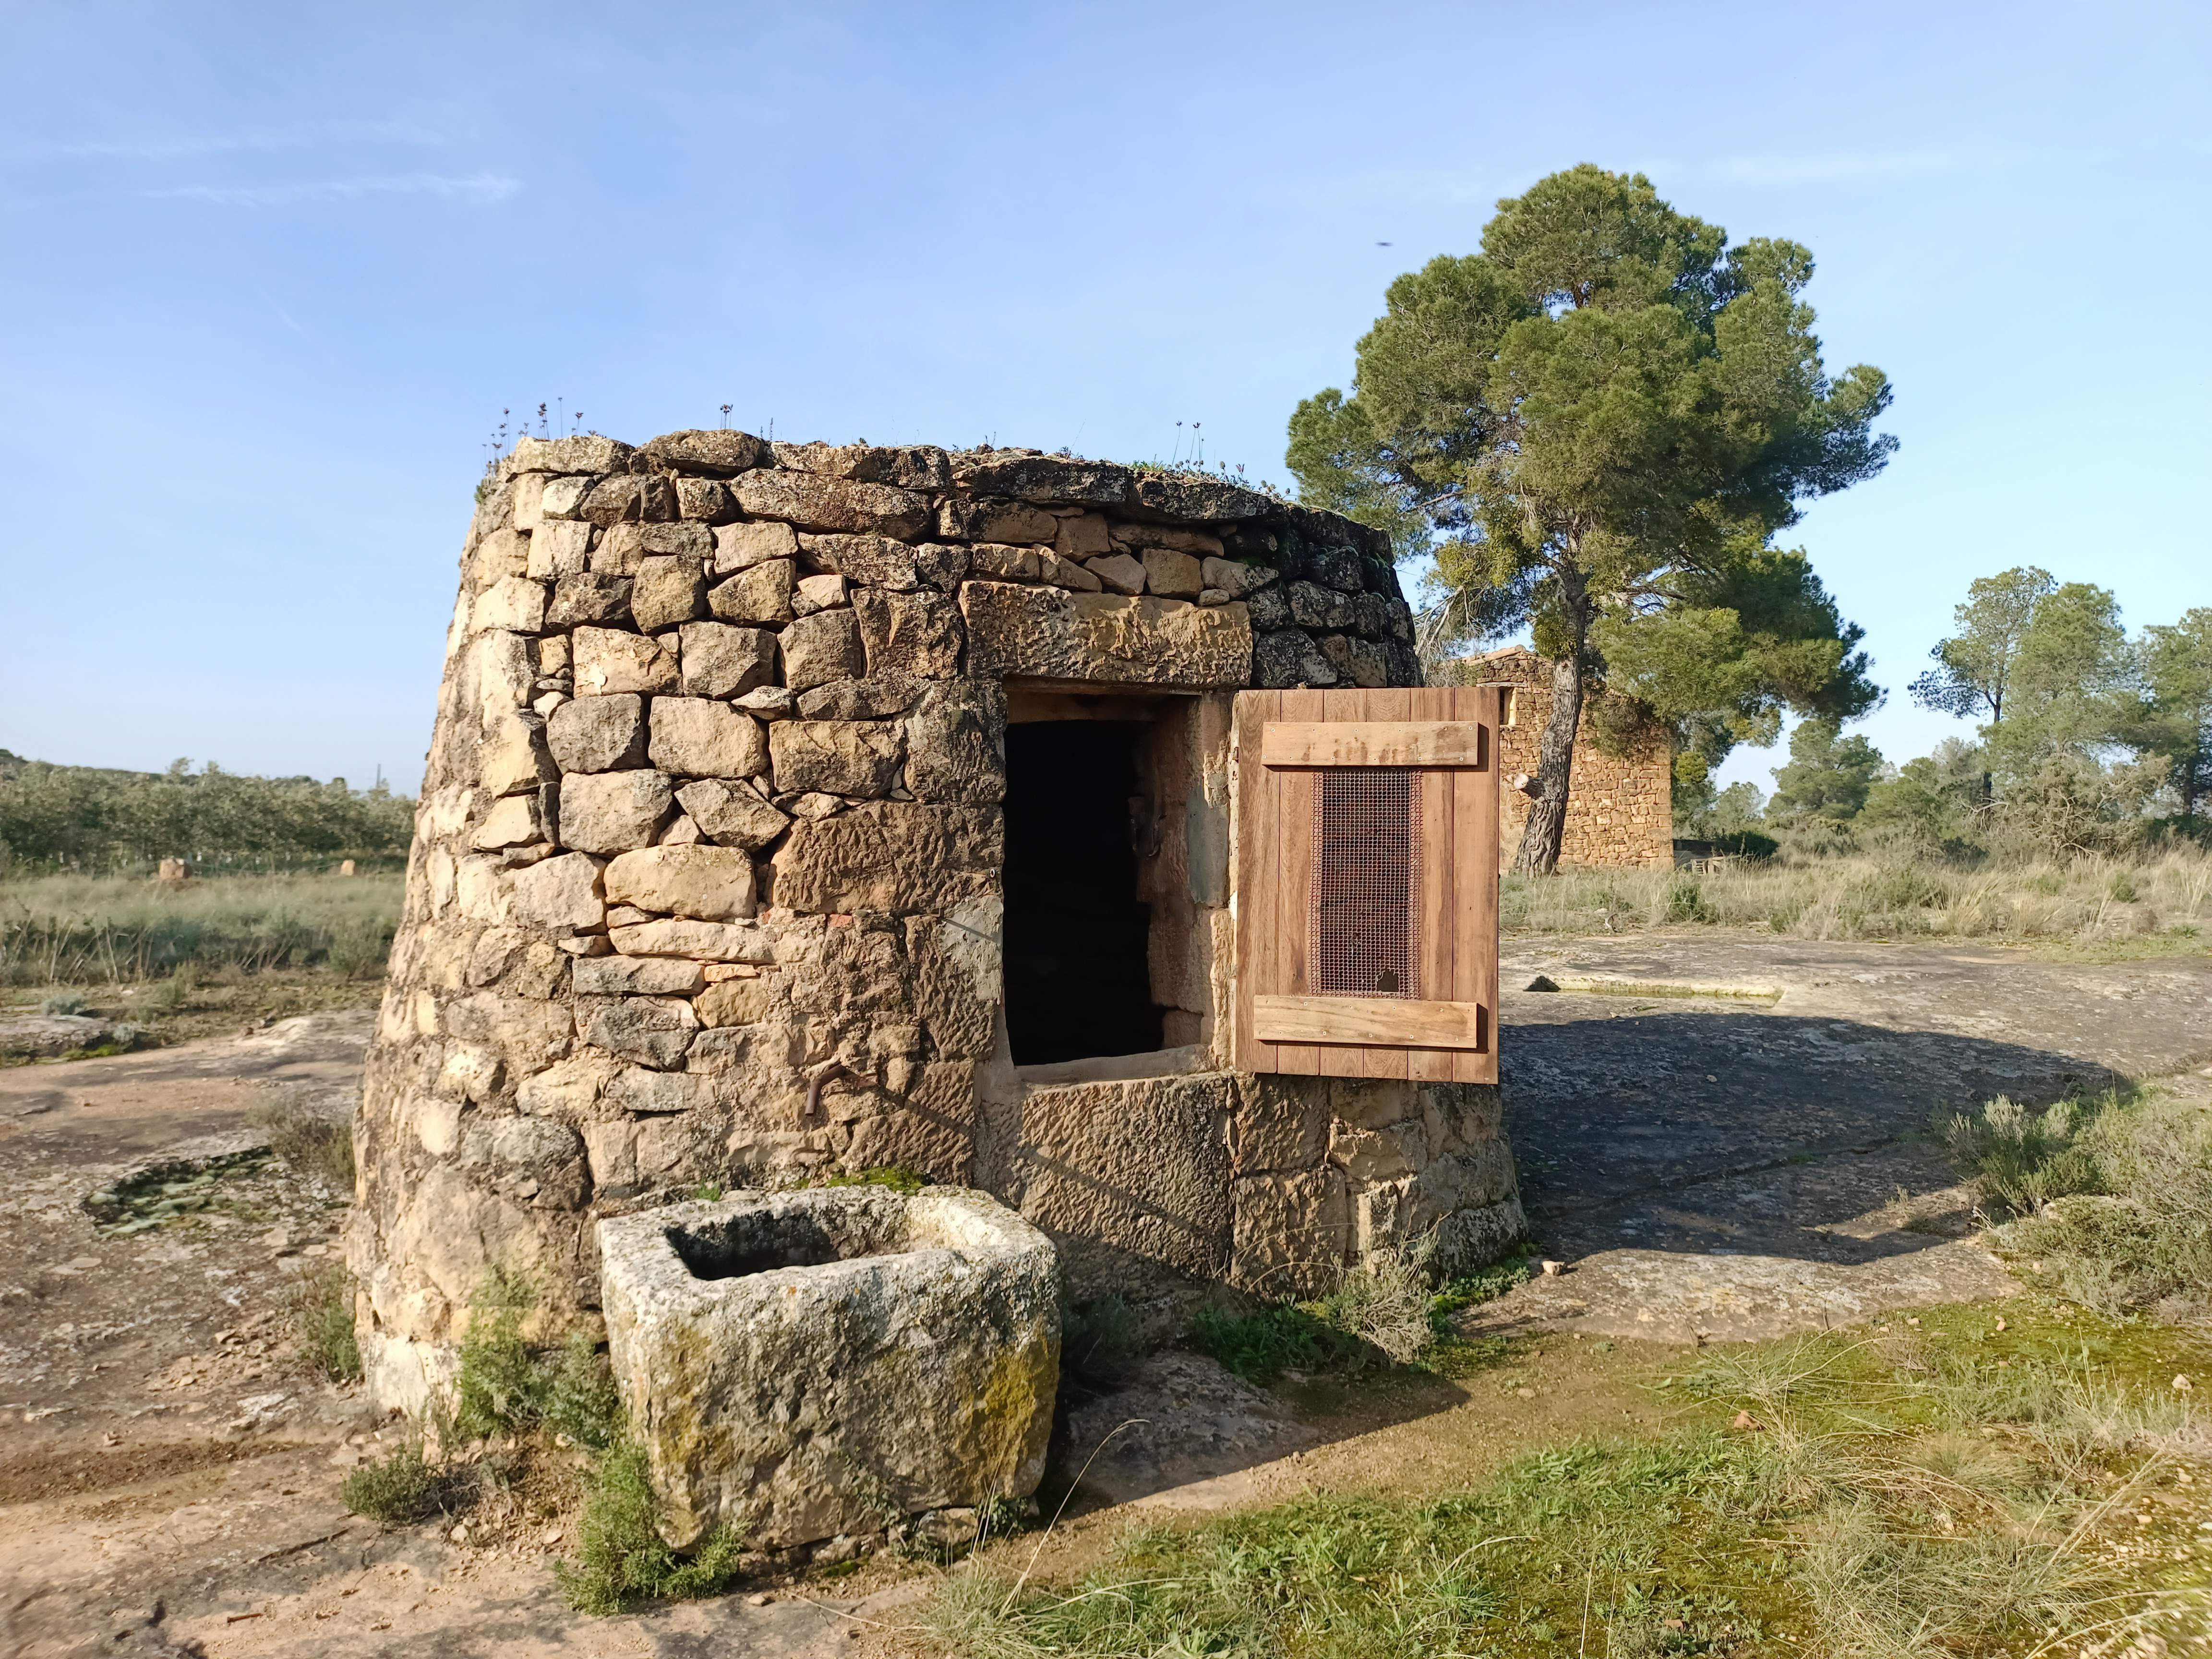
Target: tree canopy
(1604,416)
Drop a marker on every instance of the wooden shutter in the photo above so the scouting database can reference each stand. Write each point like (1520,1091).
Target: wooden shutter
(1367,883)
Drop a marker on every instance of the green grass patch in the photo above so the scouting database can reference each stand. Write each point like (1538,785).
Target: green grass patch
(319,1310)
(397,1490)
(622,1561)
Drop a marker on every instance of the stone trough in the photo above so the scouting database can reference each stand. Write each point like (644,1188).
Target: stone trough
(826,1362)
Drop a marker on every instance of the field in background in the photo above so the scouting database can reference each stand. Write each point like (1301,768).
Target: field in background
(2150,905)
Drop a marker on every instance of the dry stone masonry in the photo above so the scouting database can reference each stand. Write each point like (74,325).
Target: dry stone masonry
(710,875)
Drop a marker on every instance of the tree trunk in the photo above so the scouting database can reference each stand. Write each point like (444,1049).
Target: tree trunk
(1539,853)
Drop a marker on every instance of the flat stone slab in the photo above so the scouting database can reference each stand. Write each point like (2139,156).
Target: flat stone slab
(806,1364)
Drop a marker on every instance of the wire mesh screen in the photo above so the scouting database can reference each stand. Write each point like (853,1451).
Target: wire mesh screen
(1365,938)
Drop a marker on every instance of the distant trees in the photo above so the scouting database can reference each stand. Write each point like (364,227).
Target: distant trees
(53,816)
(1828,775)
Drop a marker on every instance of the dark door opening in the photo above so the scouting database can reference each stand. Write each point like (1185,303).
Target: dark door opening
(1077,977)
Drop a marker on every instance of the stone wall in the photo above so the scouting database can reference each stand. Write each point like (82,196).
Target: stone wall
(1620,805)
(706,881)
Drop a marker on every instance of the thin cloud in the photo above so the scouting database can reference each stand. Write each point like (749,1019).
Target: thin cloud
(482,187)
(271,139)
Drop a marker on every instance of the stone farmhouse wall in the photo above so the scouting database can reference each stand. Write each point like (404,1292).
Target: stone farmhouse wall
(1620,807)
(706,885)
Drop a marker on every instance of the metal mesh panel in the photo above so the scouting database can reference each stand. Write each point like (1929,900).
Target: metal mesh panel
(1363,935)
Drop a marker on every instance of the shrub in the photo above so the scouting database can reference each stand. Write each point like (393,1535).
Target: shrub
(1261,1344)
(621,1560)
(1687,901)
(580,1401)
(316,1147)
(1100,1341)
(501,1387)
(320,1313)
(63,1002)
(396,1489)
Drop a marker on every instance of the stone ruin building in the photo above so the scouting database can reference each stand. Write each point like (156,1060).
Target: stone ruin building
(1074,832)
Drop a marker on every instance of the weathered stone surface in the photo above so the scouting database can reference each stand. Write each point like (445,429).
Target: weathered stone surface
(741,1002)
(822,592)
(559,499)
(1196,498)
(562,894)
(583,452)
(668,592)
(857,1313)
(874,561)
(963,518)
(1102,636)
(764,593)
(1169,573)
(647,1089)
(822,647)
(513,757)
(611,662)
(1049,480)
(703,941)
(653,1031)
(629,495)
(1083,536)
(1293,1232)
(1361,662)
(698,738)
(730,814)
(890,855)
(1289,657)
(514,822)
(1235,579)
(711,883)
(514,602)
(1012,564)
(954,744)
(1271,610)
(1119,573)
(911,466)
(720,452)
(708,501)
(651,976)
(843,757)
(613,812)
(597,734)
(1065,573)
(528,1034)
(717,660)
(583,600)
(874,698)
(1198,543)
(812,501)
(646,1154)
(503,553)
(915,633)
(529,1159)
(1314,606)
(741,546)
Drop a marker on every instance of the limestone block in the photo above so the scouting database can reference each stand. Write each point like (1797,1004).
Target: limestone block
(957,964)
(608,662)
(722,452)
(812,501)
(913,466)
(1012,564)
(455,1233)
(525,504)
(963,518)
(530,1034)
(1118,573)
(619,551)
(717,660)
(514,602)
(513,821)
(766,592)
(643,1088)
(768,1053)
(612,976)
(598,734)
(582,600)
(870,699)
(531,1160)
(569,1089)
(1104,638)
(820,648)
(1281,1125)
(698,738)
(741,546)
(1126,1174)
(558,547)
(1208,499)
(843,757)
(500,555)
(890,855)
(703,941)
(770,1345)
(705,500)
(585,452)
(1293,1232)
(940,1148)
(1171,574)
(481,891)
(1047,480)
(629,495)
(909,633)
(513,757)
(742,1001)
(1081,536)
(1270,610)
(954,749)
(709,883)
(1198,543)
(1368,1156)
(864,560)
(436,1123)
(613,812)
(668,592)
(1065,573)
(939,565)
(653,1031)
(561,497)
(630,1156)
(823,592)
(1235,579)
(730,814)
(1360,662)
(1289,657)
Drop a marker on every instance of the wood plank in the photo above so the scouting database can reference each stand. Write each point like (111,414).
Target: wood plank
(1374,743)
(1386,1020)
(1389,708)
(1255,896)
(1292,877)
(1475,904)
(1439,876)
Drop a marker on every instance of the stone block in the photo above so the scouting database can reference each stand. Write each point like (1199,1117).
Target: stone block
(1313,606)
(731,814)
(514,602)
(766,593)
(1281,1126)
(1119,573)
(561,894)
(963,518)
(1104,638)
(613,812)
(711,883)
(954,749)
(1065,573)
(636,1155)
(1170,575)
(708,501)
(823,592)
(1289,657)
(513,821)
(628,496)
(530,1160)
(1046,480)
(720,452)
(1198,543)
(597,734)
(911,466)
(560,497)
(608,662)
(653,1031)
(840,757)
(864,560)
(558,547)
(812,501)
(1208,499)
(699,738)
(719,660)
(513,757)
(588,599)
(1012,564)
(890,855)
(668,592)
(1270,610)
(741,546)
(775,1351)
(820,648)
(1081,536)
(1235,579)
(917,633)
(876,697)
(1293,1233)
(644,1089)
(648,977)
(742,1001)
(581,452)
(701,941)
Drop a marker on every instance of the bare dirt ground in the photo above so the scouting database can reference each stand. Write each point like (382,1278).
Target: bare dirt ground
(1724,1165)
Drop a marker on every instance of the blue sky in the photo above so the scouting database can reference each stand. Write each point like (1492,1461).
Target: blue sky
(271,273)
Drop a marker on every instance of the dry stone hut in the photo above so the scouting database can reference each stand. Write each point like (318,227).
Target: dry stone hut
(1070,831)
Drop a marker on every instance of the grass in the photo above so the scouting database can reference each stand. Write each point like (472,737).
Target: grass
(621,1560)
(2096,907)
(319,1310)
(1958,1491)
(2107,1199)
(317,1149)
(398,1489)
